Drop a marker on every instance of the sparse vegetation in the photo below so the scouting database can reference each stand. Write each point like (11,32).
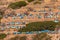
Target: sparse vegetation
(1,14)
(42,36)
(37,2)
(18,38)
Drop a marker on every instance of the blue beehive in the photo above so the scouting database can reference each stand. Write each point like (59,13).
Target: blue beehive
(19,32)
(12,23)
(21,17)
(45,31)
(39,16)
(14,32)
(13,17)
(17,23)
(56,21)
(13,27)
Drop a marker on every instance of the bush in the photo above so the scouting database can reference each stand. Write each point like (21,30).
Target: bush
(17,4)
(2,36)
(38,26)
(30,0)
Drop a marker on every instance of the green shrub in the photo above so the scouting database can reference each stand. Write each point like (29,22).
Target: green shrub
(38,26)
(17,4)
(2,36)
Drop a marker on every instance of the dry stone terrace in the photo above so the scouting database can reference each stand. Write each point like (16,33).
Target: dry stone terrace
(15,19)
(30,13)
